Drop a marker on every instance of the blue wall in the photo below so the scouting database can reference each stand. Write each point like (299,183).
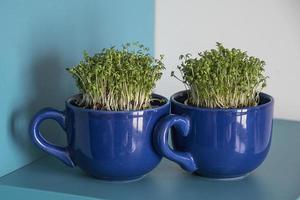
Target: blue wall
(38,40)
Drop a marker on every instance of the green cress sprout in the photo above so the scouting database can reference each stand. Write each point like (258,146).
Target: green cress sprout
(222,78)
(118,79)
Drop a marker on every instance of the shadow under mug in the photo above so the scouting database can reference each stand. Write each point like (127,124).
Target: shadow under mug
(110,145)
(216,143)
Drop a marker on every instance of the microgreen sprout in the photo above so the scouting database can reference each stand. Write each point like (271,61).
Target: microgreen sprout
(118,79)
(222,78)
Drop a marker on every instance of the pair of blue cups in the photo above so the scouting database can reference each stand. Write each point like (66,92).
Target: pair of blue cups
(126,145)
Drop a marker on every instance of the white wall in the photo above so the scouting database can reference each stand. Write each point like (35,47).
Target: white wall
(268,29)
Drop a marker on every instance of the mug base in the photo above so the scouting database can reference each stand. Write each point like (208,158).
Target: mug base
(234,178)
(120,180)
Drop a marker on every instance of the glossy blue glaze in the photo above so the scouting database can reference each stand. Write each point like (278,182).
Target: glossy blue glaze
(105,144)
(216,143)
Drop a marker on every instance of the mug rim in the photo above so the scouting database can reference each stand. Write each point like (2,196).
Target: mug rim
(177,103)
(69,104)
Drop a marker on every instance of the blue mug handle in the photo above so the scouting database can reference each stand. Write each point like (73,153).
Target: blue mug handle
(160,141)
(62,153)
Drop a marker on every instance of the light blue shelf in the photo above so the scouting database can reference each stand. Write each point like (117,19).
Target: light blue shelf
(277,179)
(9,193)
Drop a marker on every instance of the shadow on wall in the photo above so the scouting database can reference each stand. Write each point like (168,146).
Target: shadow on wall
(47,88)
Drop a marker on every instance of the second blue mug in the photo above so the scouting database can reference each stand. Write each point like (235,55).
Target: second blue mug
(216,143)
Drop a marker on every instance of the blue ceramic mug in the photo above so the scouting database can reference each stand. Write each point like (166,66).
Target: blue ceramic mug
(216,143)
(110,145)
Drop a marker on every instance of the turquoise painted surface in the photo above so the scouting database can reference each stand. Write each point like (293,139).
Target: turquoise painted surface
(15,193)
(39,39)
(278,178)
